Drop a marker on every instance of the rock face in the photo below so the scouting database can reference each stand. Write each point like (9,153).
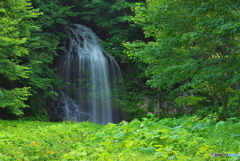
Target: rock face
(157,107)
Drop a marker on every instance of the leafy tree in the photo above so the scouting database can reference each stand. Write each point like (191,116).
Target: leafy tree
(55,13)
(195,51)
(30,79)
(15,27)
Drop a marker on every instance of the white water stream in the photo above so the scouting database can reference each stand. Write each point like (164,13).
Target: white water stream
(89,74)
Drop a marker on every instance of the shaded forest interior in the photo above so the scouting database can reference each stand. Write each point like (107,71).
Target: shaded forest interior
(177,57)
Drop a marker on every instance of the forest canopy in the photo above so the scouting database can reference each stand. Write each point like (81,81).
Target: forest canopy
(195,50)
(185,53)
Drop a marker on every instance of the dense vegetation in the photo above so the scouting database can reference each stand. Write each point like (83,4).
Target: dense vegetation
(177,57)
(180,55)
(26,79)
(151,139)
(194,56)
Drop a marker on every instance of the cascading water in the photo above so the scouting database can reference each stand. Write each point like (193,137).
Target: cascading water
(92,77)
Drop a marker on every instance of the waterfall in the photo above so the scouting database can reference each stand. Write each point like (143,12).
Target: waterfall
(92,79)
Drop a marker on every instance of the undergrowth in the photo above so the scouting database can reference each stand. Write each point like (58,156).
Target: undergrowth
(186,138)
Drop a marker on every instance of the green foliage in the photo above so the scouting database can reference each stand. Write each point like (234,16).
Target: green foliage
(195,48)
(55,13)
(44,45)
(27,52)
(14,99)
(15,28)
(190,100)
(133,111)
(42,78)
(111,20)
(187,138)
